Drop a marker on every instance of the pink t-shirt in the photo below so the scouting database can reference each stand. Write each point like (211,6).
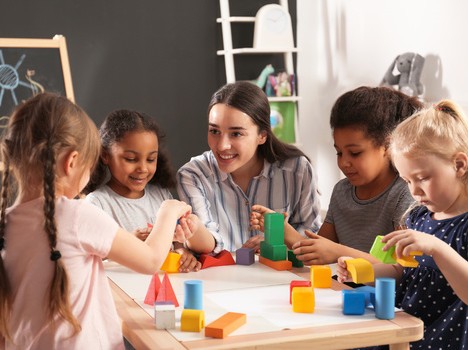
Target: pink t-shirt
(85,236)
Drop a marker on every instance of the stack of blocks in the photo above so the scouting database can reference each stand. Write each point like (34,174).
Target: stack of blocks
(162,296)
(193,316)
(389,256)
(273,251)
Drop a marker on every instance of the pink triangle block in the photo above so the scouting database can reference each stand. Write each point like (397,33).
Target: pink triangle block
(166,292)
(221,259)
(153,290)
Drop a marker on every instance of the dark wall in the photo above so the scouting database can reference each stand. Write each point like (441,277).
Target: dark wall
(155,56)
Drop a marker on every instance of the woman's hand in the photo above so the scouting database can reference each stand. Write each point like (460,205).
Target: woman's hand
(254,243)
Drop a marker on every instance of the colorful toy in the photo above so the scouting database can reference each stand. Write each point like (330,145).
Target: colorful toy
(354,302)
(166,292)
(321,276)
(164,315)
(192,320)
(273,251)
(385,298)
(245,256)
(370,294)
(389,256)
(361,270)
(294,260)
(294,284)
(172,263)
(408,261)
(221,259)
(303,299)
(225,325)
(153,290)
(193,295)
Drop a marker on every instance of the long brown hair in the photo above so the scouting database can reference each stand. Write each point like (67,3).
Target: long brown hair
(39,130)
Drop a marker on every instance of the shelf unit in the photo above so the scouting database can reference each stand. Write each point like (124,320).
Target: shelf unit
(229,51)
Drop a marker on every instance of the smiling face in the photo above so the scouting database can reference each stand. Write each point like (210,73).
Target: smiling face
(434,182)
(132,162)
(360,160)
(234,138)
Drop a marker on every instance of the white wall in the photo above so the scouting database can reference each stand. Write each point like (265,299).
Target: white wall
(344,44)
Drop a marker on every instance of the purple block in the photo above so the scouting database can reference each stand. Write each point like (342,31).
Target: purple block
(245,256)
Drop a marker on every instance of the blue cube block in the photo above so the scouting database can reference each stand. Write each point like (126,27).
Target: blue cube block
(370,294)
(354,302)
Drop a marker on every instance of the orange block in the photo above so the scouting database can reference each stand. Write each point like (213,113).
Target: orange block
(280,265)
(408,261)
(321,276)
(225,325)
(172,263)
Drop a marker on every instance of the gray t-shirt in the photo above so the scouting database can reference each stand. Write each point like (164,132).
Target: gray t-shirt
(131,214)
(357,221)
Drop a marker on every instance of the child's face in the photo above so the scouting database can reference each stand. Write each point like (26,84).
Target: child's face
(358,158)
(433,182)
(132,163)
(234,138)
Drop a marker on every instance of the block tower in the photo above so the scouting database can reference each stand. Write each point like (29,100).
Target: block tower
(273,251)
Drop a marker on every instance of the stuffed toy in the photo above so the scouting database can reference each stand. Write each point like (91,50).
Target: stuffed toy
(408,67)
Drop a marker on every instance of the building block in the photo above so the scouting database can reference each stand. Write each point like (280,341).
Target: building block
(303,299)
(354,302)
(361,270)
(385,298)
(225,325)
(193,295)
(153,290)
(164,315)
(408,261)
(172,263)
(166,292)
(277,265)
(192,320)
(245,256)
(294,284)
(274,228)
(321,276)
(221,259)
(294,260)
(370,294)
(377,252)
(275,252)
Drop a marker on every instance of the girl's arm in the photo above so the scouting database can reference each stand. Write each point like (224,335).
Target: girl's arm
(148,256)
(380,270)
(322,248)
(453,266)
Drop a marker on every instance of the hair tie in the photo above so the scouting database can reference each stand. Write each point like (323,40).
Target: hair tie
(2,243)
(55,255)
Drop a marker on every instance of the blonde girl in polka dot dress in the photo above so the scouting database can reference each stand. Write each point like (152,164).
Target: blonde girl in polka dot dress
(430,151)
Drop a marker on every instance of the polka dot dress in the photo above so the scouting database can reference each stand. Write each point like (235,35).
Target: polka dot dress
(425,293)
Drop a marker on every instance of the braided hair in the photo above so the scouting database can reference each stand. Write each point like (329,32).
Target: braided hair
(39,130)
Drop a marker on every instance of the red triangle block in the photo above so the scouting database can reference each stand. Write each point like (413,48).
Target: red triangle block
(166,292)
(153,290)
(221,259)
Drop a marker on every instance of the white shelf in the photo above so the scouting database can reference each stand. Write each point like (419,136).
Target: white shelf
(284,99)
(235,19)
(253,50)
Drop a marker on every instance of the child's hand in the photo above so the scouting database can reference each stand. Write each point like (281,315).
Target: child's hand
(254,242)
(142,233)
(341,270)
(181,208)
(315,251)
(186,227)
(188,262)
(407,241)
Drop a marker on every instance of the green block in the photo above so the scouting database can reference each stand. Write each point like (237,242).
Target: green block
(273,252)
(274,228)
(295,261)
(377,252)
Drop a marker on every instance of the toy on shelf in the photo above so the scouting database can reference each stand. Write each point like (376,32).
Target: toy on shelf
(225,325)
(263,77)
(409,66)
(273,251)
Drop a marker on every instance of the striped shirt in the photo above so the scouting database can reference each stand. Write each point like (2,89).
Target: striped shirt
(289,186)
(358,221)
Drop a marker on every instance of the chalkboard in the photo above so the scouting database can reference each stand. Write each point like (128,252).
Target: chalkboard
(31,66)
